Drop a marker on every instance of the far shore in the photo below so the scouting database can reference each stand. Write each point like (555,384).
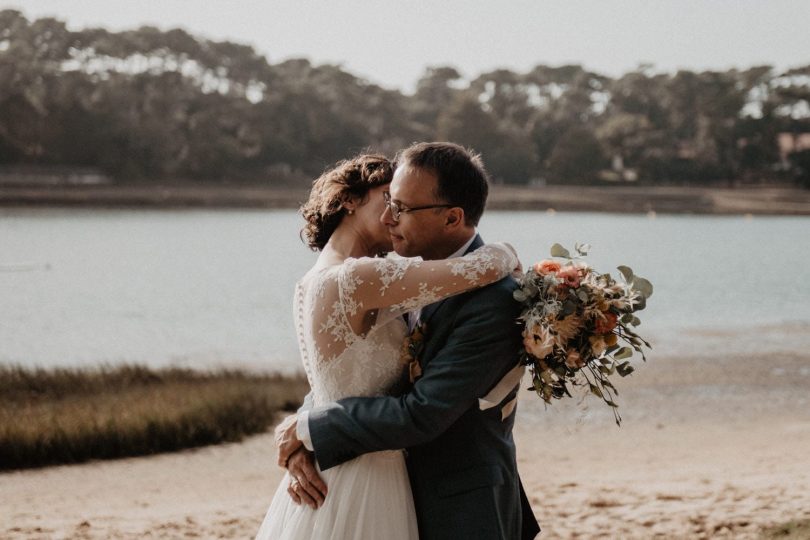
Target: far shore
(764,200)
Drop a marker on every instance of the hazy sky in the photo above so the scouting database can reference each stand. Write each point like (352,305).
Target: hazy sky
(391,42)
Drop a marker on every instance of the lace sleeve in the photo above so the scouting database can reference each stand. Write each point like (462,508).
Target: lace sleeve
(403,285)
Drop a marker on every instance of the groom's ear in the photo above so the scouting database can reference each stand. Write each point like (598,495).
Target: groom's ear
(454,217)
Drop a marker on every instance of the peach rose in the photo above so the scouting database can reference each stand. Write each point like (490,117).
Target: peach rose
(546,266)
(570,276)
(611,340)
(598,345)
(574,360)
(534,345)
(606,325)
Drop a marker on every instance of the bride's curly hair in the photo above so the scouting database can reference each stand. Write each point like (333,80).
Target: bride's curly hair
(348,178)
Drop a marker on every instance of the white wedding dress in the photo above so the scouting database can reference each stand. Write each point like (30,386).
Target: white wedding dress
(350,333)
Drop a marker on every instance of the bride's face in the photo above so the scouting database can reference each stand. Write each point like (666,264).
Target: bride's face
(368,216)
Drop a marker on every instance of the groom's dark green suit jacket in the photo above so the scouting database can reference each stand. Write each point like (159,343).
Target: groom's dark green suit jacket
(461,460)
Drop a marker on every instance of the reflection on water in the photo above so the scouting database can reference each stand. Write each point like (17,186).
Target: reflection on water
(207,287)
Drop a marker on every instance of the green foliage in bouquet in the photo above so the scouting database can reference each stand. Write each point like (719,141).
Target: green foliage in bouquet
(579,325)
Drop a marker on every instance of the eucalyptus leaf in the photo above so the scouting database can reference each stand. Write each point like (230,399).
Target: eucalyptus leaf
(643,286)
(627,318)
(582,249)
(624,369)
(596,390)
(624,352)
(558,251)
(568,308)
(636,321)
(627,273)
(630,332)
(520,295)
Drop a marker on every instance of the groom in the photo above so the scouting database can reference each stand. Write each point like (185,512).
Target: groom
(460,453)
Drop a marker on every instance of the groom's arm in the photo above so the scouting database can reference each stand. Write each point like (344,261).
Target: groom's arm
(302,427)
(481,348)
(291,432)
(307,404)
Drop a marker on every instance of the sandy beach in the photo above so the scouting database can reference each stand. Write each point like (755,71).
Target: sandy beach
(709,448)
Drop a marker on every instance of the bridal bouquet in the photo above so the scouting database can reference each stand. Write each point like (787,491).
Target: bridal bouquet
(574,320)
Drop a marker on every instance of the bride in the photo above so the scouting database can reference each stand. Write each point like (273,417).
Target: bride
(349,310)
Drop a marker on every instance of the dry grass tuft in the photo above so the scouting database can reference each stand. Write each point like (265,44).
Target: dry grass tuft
(791,530)
(69,415)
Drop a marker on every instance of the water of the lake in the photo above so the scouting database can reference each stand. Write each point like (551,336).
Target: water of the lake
(207,288)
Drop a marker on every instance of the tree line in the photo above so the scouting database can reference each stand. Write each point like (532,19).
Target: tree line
(149,105)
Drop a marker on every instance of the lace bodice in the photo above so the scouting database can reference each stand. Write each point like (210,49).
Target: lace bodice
(349,316)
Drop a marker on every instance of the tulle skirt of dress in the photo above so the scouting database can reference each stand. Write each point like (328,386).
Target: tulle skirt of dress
(369,498)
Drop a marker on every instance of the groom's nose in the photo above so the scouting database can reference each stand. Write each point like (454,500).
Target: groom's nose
(387,218)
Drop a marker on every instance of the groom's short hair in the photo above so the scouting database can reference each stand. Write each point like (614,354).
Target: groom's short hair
(462,179)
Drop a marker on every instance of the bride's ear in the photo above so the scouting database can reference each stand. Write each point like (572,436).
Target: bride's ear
(350,205)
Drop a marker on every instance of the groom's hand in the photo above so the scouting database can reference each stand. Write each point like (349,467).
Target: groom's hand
(306,485)
(287,440)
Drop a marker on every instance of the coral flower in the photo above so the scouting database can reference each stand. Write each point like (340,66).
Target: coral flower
(546,266)
(606,325)
(570,276)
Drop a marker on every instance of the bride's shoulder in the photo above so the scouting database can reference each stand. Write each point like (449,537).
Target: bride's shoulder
(353,272)
(379,267)
(389,260)
(323,273)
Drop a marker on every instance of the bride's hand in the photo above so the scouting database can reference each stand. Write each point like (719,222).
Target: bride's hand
(306,485)
(517,272)
(287,440)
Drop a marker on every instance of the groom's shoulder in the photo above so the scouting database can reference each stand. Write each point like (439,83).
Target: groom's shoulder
(493,306)
(498,295)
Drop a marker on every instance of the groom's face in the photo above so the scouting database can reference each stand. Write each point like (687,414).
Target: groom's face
(415,233)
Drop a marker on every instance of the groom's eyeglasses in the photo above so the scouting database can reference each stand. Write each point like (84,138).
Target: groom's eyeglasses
(397,210)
